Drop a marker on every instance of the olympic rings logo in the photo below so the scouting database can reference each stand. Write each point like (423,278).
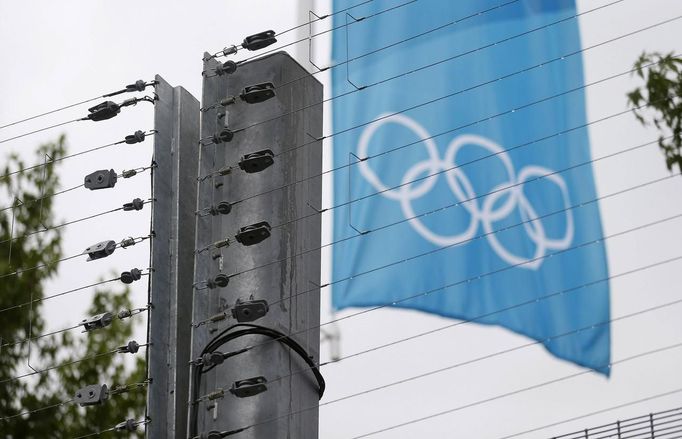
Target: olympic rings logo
(481,209)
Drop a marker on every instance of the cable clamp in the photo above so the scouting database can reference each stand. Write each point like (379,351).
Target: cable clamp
(94,394)
(127,313)
(127,425)
(103,111)
(100,250)
(98,321)
(101,179)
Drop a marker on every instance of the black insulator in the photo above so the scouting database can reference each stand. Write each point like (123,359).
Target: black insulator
(225,135)
(139,85)
(105,110)
(136,137)
(136,204)
(259,40)
(128,277)
(226,68)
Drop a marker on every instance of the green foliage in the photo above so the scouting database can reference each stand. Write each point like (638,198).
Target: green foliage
(29,190)
(661,93)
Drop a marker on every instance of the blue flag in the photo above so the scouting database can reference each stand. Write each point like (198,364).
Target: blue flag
(460,190)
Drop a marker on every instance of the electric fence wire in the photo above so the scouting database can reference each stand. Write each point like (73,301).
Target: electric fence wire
(59,159)
(127,103)
(472,361)
(460,127)
(44,197)
(520,390)
(113,391)
(469,280)
(264,53)
(67,292)
(355,20)
(120,427)
(468,52)
(495,397)
(129,88)
(68,223)
(127,314)
(121,244)
(597,412)
(68,363)
(470,320)
(461,202)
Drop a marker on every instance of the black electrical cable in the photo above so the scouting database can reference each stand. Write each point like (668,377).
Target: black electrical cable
(97,148)
(492,81)
(130,88)
(520,390)
(452,205)
(470,320)
(226,336)
(445,287)
(121,244)
(465,363)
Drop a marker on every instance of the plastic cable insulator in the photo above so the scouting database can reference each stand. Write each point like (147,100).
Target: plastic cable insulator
(136,137)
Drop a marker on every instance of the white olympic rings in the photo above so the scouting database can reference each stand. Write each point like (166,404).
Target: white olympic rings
(481,209)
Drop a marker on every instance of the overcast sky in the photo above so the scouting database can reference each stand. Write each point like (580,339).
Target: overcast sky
(54,53)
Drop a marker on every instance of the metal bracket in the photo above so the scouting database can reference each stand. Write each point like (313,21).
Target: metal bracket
(249,387)
(97,322)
